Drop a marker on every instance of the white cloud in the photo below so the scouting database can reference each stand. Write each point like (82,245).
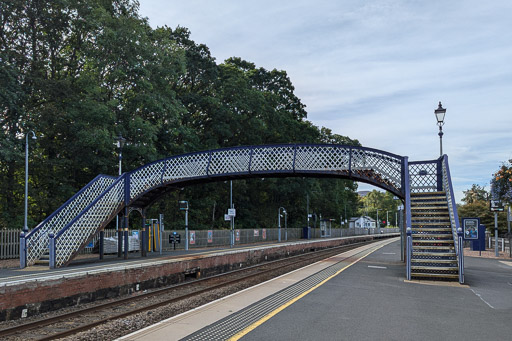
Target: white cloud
(374,70)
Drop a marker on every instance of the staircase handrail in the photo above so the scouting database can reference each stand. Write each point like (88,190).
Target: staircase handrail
(454,216)
(39,235)
(63,257)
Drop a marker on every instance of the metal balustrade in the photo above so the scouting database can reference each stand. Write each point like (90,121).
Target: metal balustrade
(77,221)
(454,217)
(35,243)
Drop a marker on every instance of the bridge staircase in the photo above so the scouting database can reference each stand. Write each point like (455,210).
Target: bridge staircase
(433,248)
(434,239)
(36,246)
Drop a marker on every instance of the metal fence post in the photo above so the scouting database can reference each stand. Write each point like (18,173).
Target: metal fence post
(409,251)
(23,251)
(52,250)
(461,255)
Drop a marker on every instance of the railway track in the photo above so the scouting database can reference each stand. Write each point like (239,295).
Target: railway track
(70,323)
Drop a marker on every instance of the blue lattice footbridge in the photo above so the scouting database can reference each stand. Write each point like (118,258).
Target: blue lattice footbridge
(65,232)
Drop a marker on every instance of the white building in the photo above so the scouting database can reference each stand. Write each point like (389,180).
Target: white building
(362,222)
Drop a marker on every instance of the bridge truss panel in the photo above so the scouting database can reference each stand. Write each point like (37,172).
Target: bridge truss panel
(38,239)
(323,159)
(83,227)
(378,167)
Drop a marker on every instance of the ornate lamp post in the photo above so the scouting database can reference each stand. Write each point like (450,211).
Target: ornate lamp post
(440,112)
(120,141)
(25,226)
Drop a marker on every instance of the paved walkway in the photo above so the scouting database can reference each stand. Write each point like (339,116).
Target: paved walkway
(360,295)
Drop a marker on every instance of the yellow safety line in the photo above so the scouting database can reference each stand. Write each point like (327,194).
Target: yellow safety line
(267,317)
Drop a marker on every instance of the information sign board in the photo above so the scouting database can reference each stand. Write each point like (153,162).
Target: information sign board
(470,227)
(232,212)
(496,206)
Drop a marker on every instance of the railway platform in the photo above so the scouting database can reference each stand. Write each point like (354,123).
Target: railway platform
(361,294)
(34,290)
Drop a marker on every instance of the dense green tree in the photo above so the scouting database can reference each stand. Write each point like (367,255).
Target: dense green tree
(81,72)
(384,202)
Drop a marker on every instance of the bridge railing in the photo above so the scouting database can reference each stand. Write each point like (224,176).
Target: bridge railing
(69,240)
(362,163)
(35,243)
(454,217)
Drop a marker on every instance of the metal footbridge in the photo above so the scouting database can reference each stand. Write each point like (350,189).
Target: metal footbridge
(66,231)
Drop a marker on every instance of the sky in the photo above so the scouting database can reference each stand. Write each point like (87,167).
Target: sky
(375,70)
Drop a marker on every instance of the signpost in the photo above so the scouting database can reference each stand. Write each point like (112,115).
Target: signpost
(496,206)
(231,217)
(184,207)
(174,238)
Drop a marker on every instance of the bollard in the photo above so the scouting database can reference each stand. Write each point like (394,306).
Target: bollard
(52,250)
(409,252)
(461,255)
(23,251)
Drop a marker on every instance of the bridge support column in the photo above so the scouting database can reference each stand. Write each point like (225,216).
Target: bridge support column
(143,235)
(101,243)
(126,246)
(409,252)
(119,237)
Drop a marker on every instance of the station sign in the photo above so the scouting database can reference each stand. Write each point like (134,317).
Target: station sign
(174,238)
(496,206)
(183,205)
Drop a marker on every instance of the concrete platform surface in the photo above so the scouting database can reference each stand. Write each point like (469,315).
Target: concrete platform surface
(359,295)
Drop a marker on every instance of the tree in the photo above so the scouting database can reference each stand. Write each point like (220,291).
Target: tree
(476,193)
(377,200)
(501,183)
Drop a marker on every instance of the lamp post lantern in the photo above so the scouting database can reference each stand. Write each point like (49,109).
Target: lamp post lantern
(440,112)
(25,226)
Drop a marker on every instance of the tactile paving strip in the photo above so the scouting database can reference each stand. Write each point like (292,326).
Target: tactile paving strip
(235,323)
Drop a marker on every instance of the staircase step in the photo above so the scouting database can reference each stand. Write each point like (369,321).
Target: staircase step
(440,198)
(426,260)
(447,230)
(434,268)
(428,203)
(437,276)
(430,224)
(430,208)
(432,254)
(419,194)
(45,262)
(435,241)
(432,248)
(432,235)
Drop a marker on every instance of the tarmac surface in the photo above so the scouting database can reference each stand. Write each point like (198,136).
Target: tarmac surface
(359,295)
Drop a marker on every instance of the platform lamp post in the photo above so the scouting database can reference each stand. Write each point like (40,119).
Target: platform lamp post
(120,142)
(25,226)
(440,112)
